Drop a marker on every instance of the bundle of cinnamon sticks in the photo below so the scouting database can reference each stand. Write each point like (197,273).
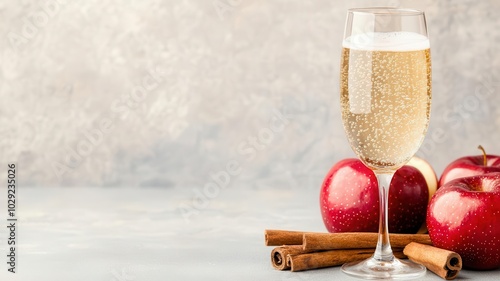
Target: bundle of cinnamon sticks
(300,251)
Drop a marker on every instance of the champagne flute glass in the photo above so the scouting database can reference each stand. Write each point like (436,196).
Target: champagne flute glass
(385,97)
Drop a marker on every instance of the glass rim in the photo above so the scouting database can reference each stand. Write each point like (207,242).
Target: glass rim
(386,11)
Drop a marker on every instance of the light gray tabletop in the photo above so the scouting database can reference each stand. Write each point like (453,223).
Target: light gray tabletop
(127,234)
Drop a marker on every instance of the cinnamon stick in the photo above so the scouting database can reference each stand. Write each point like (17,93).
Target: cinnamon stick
(283,237)
(330,258)
(444,263)
(280,256)
(358,240)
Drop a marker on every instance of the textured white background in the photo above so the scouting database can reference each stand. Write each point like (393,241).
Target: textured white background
(225,71)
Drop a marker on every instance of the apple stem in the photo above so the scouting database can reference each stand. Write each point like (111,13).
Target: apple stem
(485,158)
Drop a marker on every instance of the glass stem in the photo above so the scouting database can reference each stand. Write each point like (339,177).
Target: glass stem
(383,252)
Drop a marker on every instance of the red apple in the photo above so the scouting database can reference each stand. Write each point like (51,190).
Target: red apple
(427,171)
(430,177)
(464,216)
(349,199)
(470,166)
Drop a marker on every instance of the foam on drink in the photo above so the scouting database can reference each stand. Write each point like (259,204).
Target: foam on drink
(387,41)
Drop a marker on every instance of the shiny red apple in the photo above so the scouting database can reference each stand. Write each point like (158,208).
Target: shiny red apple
(464,216)
(427,171)
(430,177)
(349,199)
(470,166)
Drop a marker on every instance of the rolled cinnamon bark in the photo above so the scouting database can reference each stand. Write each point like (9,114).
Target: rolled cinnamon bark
(314,260)
(358,240)
(283,237)
(280,256)
(369,239)
(444,263)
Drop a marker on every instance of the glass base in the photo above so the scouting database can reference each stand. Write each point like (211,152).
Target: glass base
(374,269)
